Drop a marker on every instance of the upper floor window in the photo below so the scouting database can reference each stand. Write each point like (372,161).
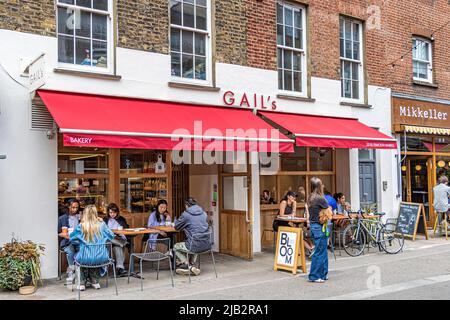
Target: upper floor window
(422,60)
(291,48)
(190,40)
(351,59)
(84,33)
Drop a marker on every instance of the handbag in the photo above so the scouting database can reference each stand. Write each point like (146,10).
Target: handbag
(325,215)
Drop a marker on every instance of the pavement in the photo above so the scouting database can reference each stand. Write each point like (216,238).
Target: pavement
(420,271)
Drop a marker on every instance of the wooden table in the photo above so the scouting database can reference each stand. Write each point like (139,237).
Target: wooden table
(171,232)
(132,234)
(297,221)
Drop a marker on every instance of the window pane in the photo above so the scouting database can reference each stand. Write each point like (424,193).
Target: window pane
(355,89)
(298,39)
(280,79)
(188,42)
(279,13)
(347,70)
(288,18)
(356,50)
(101,4)
(415,46)
(321,159)
(201,18)
(175,40)
(348,30)
(423,70)
(298,81)
(84,27)
(200,68)
(200,44)
(356,32)
(201,3)
(415,69)
(355,71)
(424,51)
(289,34)
(348,49)
(280,34)
(341,28)
(287,59)
(175,12)
(67,1)
(279,58)
(99,27)
(342,47)
(83,51)
(297,61)
(176,67)
(188,66)
(347,88)
(189,1)
(287,80)
(65,49)
(298,19)
(65,21)
(84,3)
(294,161)
(188,15)
(100,54)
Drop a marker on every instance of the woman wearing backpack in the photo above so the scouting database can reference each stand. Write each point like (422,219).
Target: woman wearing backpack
(91,231)
(318,213)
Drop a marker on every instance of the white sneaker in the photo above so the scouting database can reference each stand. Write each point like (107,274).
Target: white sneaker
(81,287)
(96,286)
(195,271)
(70,277)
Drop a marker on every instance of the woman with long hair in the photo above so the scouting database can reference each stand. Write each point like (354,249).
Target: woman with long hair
(91,231)
(317,203)
(159,217)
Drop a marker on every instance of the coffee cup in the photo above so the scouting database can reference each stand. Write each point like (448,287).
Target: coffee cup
(119,228)
(64,230)
(70,230)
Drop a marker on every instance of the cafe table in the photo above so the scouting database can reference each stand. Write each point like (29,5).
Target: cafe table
(296,221)
(171,232)
(132,233)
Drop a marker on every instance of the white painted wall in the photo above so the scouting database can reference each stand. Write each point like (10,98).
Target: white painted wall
(32,158)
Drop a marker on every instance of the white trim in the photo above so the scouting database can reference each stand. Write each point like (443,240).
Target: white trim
(342,137)
(429,63)
(169,135)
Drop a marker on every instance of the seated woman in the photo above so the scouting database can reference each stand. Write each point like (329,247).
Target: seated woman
(159,217)
(91,231)
(342,208)
(115,221)
(266,198)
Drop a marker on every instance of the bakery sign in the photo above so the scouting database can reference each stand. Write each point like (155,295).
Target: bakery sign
(249,100)
(420,113)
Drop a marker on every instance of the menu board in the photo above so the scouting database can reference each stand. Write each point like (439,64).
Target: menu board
(410,216)
(290,252)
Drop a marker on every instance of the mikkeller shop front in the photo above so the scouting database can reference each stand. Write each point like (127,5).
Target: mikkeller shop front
(423,128)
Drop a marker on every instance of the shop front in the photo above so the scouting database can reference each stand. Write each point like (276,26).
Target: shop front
(423,129)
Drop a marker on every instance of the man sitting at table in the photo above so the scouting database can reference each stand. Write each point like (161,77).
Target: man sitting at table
(193,221)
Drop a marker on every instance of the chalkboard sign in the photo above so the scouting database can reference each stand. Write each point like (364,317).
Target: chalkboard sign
(290,251)
(410,216)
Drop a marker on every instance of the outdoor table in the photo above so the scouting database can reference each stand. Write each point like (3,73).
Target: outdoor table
(171,232)
(132,233)
(297,221)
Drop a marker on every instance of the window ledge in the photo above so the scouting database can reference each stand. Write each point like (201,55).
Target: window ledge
(87,74)
(297,98)
(425,84)
(192,86)
(357,105)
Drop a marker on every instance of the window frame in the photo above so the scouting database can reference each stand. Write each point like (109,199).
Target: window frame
(110,69)
(304,56)
(360,62)
(208,48)
(429,78)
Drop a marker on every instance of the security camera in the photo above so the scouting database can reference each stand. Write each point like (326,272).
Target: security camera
(50,134)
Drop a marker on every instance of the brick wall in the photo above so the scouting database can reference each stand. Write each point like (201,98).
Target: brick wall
(28,16)
(143,25)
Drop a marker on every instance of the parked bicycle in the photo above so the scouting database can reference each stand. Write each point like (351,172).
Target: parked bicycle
(372,232)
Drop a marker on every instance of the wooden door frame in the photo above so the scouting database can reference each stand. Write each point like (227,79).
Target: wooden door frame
(248,214)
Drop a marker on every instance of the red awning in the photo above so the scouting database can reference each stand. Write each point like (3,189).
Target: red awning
(112,122)
(317,131)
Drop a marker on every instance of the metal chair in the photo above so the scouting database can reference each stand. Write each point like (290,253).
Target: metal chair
(100,255)
(156,250)
(61,254)
(199,237)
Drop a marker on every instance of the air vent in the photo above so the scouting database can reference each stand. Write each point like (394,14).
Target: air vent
(41,119)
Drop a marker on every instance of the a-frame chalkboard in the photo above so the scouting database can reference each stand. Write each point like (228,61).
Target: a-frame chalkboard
(411,219)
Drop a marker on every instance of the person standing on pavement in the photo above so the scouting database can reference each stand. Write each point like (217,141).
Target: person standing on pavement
(317,203)
(441,194)
(193,221)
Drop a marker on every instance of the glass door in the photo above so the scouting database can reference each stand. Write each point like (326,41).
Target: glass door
(420,182)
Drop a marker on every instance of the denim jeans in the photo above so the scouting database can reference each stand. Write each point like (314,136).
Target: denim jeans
(70,251)
(319,264)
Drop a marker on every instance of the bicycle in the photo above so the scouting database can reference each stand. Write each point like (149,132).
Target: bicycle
(383,235)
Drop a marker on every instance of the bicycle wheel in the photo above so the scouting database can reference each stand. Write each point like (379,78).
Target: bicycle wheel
(391,241)
(353,241)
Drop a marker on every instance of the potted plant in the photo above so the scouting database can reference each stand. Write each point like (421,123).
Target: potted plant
(20,265)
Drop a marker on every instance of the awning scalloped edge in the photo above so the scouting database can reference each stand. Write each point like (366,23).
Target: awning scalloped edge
(427,130)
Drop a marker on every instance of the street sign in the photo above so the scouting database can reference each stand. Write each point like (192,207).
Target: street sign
(290,252)
(36,72)
(409,219)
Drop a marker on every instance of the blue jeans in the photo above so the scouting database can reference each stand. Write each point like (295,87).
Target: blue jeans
(319,264)
(70,253)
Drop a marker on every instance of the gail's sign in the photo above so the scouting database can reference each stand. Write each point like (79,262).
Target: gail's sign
(249,100)
(419,113)
(36,71)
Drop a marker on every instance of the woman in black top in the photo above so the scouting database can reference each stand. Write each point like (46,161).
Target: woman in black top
(288,206)
(316,203)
